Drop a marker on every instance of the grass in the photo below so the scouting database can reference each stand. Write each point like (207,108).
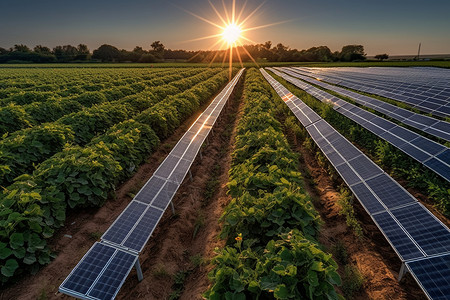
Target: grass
(440,64)
(178,284)
(95,235)
(352,281)
(160,272)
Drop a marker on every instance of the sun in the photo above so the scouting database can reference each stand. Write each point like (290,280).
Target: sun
(231,34)
(233,29)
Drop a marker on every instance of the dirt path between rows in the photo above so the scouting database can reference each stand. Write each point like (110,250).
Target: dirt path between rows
(173,248)
(371,254)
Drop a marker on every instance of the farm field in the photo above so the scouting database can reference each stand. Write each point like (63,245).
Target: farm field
(266,212)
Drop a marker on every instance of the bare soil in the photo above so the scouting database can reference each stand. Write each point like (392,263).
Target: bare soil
(173,246)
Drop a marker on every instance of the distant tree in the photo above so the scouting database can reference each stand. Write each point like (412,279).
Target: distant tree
(107,53)
(381,57)
(65,53)
(147,58)
(158,49)
(352,53)
(138,49)
(3,51)
(157,46)
(267,45)
(83,52)
(42,49)
(21,48)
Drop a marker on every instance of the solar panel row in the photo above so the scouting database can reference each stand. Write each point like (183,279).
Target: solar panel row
(426,151)
(413,232)
(102,271)
(425,96)
(440,129)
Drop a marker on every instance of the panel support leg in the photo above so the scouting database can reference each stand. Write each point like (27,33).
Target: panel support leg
(402,272)
(190,176)
(173,207)
(140,276)
(207,141)
(201,155)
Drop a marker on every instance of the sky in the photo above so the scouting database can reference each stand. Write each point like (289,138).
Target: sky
(395,27)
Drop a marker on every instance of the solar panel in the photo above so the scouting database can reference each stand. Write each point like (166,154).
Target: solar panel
(438,167)
(348,174)
(123,225)
(99,274)
(144,229)
(430,234)
(399,240)
(365,167)
(415,120)
(389,191)
(150,189)
(367,198)
(419,148)
(433,275)
(415,152)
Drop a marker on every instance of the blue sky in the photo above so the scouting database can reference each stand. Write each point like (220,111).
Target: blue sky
(394,27)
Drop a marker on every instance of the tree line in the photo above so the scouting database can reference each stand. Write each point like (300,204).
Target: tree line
(158,53)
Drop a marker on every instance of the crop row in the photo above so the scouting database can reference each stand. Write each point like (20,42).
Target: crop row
(39,107)
(270,224)
(387,156)
(35,205)
(25,148)
(17,80)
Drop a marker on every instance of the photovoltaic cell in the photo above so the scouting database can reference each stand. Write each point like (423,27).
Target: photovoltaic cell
(433,274)
(389,191)
(404,246)
(143,230)
(150,190)
(99,274)
(367,198)
(123,225)
(113,277)
(427,145)
(348,174)
(365,167)
(431,235)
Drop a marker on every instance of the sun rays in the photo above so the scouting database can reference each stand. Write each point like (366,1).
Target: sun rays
(232,26)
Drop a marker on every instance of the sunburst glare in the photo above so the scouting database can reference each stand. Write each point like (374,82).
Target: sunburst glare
(232,31)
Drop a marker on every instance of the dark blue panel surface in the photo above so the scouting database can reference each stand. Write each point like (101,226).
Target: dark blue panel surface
(433,275)
(142,232)
(439,167)
(366,197)
(348,174)
(430,234)
(88,269)
(398,238)
(150,190)
(110,282)
(117,232)
(365,167)
(428,145)
(389,191)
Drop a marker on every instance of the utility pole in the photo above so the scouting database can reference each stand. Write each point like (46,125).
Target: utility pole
(418,52)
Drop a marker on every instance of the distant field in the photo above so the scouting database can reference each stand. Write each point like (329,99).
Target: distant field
(440,64)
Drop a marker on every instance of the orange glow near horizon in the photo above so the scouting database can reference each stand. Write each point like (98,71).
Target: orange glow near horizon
(232,31)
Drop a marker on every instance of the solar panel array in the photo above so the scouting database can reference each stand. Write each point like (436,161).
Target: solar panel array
(413,232)
(432,126)
(103,270)
(426,90)
(429,153)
